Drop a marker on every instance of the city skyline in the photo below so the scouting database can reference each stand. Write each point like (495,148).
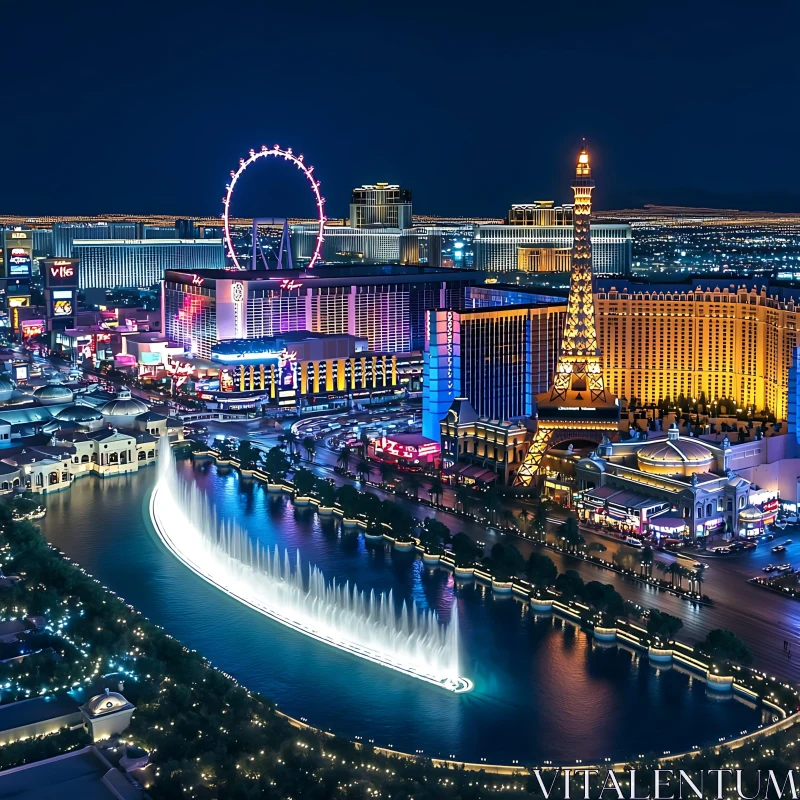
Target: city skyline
(654,77)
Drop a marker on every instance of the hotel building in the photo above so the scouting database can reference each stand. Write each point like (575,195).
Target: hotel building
(721,339)
(296,370)
(538,238)
(384,305)
(498,358)
(140,263)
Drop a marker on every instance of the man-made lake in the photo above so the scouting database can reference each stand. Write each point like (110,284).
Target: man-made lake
(543,688)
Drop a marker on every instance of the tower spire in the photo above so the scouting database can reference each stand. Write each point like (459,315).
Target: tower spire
(577,400)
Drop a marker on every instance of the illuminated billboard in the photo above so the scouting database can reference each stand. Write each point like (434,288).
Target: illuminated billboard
(19,262)
(18,252)
(60,272)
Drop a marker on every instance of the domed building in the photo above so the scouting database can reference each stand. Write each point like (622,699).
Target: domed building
(674,486)
(107,715)
(86,417)
(53,393)
(675,456)
(122,410)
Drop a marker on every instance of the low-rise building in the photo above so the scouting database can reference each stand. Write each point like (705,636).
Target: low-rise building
(629,485)
(480,450)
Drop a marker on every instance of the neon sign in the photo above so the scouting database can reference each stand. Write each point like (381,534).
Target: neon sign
(409,452)
(450,350)
(289,284)
(197,280)
(62,269)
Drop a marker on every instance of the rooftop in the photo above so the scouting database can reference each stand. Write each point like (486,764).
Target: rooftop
(37,709)
(81,774)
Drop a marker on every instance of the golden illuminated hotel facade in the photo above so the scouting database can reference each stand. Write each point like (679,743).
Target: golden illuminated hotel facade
(723,340)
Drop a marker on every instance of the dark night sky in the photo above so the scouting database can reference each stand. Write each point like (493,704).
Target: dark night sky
(145,107)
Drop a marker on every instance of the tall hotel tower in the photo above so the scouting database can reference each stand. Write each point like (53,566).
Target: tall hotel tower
(577,404)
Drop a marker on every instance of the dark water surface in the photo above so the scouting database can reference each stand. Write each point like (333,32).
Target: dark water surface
(543,689)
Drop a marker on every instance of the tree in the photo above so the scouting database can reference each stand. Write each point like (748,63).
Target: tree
(412,483)
(291,439)
(596,547)
(247,454)
(605,599)
(647,560)
(310,446)
(436,489)
(276,463)
(493,504)
(345,454)
(523,520)
(571,585)
(542,510)
(541,570)
(727,646)
(465,550)
(304,481)
(326,492)
(571,534)
(662,625)
(506,561)
(387,471)
(434,533)
(464,498)
(363,469)
(697,580)
(348,498)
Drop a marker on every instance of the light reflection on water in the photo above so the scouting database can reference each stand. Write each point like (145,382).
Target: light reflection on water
(543,689)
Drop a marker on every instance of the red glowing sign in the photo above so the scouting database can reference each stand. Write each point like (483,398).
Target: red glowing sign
(62,270)
(409,452)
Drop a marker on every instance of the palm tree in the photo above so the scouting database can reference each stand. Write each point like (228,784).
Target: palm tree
(463,498)
(310,446)
(523,520)
(291,438)
(363,469)
(412,483)
(387,471)
(345,454)
(646,564)
(493,504)
(697,581)
(675,571)
(541,520)
(436,489)
(596,547)
(663,567)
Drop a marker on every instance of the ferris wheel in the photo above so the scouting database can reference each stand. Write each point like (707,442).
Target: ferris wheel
(286,155)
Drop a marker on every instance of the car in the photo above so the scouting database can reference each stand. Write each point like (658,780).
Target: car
(770,568)
(779,548)
(699,565)
(769,537)
(784,567)
(736,546)
(721,550)
(788,541)
(633,541)
(750,545)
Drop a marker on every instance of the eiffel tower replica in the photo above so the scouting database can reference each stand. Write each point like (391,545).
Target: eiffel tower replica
(577,404)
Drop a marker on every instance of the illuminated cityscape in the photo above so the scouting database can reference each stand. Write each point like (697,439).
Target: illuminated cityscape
(350,467)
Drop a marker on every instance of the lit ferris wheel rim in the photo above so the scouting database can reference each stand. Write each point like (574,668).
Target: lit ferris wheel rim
(287,155)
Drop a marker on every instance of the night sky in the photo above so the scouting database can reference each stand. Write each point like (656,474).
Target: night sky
(146,107)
